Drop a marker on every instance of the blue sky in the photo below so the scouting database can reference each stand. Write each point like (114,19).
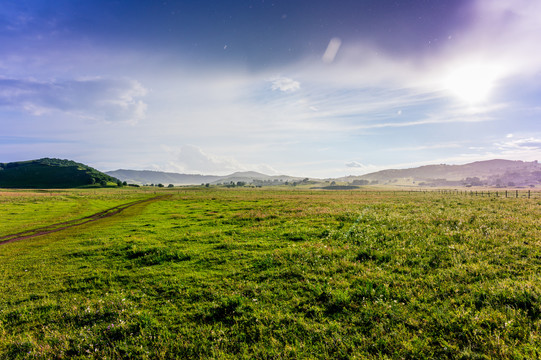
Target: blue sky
(307,88)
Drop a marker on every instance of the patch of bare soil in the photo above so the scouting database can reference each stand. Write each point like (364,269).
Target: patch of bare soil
(6,239)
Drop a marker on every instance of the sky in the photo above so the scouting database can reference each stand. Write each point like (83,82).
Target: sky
(299,87)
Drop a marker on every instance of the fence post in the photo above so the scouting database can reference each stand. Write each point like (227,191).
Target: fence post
(516,194)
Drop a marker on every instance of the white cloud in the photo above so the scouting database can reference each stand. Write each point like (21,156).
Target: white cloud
(98,99)
(285,84)
(530,143)
(192,159)
(426,147)
(354,164)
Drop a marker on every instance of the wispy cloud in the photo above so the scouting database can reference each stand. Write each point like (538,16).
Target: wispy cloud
(426,147)
(285,84)
(530,143)
(96,98)
(426,121)
(354,164)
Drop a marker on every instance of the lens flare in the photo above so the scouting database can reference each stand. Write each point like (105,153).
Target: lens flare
(472,83)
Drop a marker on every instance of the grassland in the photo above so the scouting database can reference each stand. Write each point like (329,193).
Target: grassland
(209,273)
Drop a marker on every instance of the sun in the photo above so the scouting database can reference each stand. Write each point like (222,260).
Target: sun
(472,83)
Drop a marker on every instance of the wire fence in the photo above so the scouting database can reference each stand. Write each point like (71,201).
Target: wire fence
(516,194)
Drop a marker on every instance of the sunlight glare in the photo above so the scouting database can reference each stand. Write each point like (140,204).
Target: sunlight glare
(471,83)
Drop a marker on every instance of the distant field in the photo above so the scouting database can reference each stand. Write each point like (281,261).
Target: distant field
(256,273)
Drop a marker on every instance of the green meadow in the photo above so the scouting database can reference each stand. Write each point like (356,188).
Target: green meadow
(271,274)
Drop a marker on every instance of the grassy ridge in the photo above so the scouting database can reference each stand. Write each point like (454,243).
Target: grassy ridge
(262,274)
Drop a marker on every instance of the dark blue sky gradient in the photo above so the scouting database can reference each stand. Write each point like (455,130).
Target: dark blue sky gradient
(255,33)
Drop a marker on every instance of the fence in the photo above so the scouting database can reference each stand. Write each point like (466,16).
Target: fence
(529,194)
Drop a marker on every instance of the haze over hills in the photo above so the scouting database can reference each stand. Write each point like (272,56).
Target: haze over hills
(501,173)
(256,178)
(142,177)
(495,172)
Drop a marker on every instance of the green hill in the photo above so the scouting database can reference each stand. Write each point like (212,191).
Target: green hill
(50,173)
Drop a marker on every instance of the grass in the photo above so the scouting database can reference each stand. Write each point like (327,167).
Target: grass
(26,209)
(279,274)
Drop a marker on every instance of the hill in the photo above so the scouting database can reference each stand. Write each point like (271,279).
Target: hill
(142,177)
(499,173)
(50,173)
(256,178)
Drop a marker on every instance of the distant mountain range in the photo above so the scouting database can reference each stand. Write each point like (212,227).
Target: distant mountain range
(500,173)
(56,173)
(49,173)
(147,177)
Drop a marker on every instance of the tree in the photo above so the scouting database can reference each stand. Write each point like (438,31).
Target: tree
(160,185)
(360,182)
(170,185)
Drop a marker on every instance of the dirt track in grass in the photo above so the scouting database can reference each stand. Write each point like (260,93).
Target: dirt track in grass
(6,239)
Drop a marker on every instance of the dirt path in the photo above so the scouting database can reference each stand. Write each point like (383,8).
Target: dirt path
(6,239)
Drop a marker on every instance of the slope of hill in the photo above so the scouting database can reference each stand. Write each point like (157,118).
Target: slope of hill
(49,173)
(496,172)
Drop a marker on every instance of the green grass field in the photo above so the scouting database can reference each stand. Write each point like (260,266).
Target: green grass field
(272,274)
